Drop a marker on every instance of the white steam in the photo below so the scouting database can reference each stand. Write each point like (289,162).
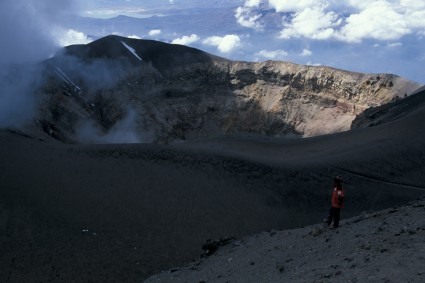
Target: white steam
(27,29)
(124,131)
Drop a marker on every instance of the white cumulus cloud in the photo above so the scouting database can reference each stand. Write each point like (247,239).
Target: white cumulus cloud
(313,64)
(275,54)
(186,39)
(154,32)
(70,37)
(252,3)
(395,44)
(134,36)
(224,44)
(377,20)
(311,23)
(293,5)
(306,53)
(247,18)
(351,20)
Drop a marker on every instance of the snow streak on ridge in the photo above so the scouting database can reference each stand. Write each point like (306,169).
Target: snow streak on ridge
(132,50)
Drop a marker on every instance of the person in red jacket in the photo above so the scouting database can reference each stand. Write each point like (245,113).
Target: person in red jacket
(337,202)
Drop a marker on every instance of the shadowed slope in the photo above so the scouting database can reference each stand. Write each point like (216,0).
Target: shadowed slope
(390,112)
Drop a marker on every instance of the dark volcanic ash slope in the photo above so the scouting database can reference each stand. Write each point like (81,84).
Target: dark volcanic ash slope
(120,213)
(173,92)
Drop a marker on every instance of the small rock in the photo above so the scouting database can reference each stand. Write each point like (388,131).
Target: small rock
(281,268)
(316,232)
(367,246)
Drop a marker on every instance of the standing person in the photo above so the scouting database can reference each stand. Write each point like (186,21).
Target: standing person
(337,202)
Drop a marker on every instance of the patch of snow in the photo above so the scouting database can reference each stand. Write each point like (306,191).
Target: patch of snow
(66,78)
(132,50)
(68,81)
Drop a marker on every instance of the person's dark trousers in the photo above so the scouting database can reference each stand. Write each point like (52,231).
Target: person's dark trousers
(334,214)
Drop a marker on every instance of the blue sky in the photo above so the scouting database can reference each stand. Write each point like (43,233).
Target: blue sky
(374,36)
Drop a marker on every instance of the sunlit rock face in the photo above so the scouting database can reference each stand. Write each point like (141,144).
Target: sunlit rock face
(127,90)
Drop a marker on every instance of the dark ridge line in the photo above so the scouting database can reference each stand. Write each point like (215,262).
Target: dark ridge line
(374,179)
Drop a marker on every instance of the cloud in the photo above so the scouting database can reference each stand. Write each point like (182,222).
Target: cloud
(292,5)
(224,44)
(395,44)
(351,20)
(245,17)
(17,102)
(312,23)
(134,36)
(252,3)
(313,64)
(186,40)
(413,4)
(306,53)
(107,13)
(28,30)
(70,37)
(273,55)
(154,32)
(378,20)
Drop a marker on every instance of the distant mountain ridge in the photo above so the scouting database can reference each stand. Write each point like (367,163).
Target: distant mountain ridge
(175,92)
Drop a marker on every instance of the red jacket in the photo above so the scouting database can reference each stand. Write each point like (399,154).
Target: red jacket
(338,198)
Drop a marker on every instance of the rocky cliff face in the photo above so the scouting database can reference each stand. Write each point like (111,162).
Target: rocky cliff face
(149,91)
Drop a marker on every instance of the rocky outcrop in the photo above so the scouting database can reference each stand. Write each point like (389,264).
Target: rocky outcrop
(313,100)
(180,93)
